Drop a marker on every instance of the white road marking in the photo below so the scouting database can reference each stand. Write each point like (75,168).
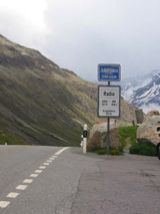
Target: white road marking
(28,181)
(47,164)
(21,187)
(42,167)
(49,161)
(52,158)
(34,175)
(4,204)
(61,150)
(38,171)
(12,195)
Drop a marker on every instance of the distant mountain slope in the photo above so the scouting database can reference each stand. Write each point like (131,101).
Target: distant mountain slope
(41,102)
(144,93)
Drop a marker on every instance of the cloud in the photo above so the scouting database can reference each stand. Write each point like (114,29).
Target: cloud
(80,34)
(85,34)
(24,21)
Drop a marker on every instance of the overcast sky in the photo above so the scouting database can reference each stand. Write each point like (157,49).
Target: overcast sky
(79,34)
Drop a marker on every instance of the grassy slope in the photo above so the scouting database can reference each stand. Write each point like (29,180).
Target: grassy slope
(127,135)
(42,108)
(41,102)
(11,139)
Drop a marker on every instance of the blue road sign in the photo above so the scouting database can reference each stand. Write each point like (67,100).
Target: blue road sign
(109,72)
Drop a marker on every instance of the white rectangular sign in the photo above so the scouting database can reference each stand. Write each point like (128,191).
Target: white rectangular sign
(108,101)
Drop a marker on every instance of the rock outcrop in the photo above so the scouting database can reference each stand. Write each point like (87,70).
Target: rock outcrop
(98,137)
(99,140)
(149,131)
(151,113)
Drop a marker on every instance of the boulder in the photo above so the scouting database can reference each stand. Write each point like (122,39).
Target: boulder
(98,138)
(151,113)
(139,116)
(101,127)
(149,131)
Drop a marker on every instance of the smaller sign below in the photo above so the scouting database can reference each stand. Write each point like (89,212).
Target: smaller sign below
(108,101)
(109,72)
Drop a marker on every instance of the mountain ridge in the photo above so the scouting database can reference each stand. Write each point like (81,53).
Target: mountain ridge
(144,93)
(43,103)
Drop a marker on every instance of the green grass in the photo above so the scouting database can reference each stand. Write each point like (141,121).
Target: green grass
(95,145)
(10,139)
(127,134)
(112,151)
(128,139)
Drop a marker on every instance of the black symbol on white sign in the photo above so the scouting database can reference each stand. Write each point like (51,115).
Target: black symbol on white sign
(114,103)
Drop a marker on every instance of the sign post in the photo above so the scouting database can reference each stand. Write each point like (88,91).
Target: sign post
(108,96)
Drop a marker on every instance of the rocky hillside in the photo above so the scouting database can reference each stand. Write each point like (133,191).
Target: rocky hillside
(41,102)
(144,93)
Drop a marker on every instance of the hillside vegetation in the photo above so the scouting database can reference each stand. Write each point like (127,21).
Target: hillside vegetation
(41,102)
(128,139)
(11,139)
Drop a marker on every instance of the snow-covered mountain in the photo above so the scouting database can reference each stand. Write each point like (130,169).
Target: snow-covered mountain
(143,92)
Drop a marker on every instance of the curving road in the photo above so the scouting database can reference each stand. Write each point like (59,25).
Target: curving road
(52,180)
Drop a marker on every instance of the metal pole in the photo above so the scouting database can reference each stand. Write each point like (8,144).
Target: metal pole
(108,130)
(108,133)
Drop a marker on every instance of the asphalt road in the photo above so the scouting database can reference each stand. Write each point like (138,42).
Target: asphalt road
(51,180)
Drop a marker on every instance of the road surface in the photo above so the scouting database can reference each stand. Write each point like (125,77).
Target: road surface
(52,180)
